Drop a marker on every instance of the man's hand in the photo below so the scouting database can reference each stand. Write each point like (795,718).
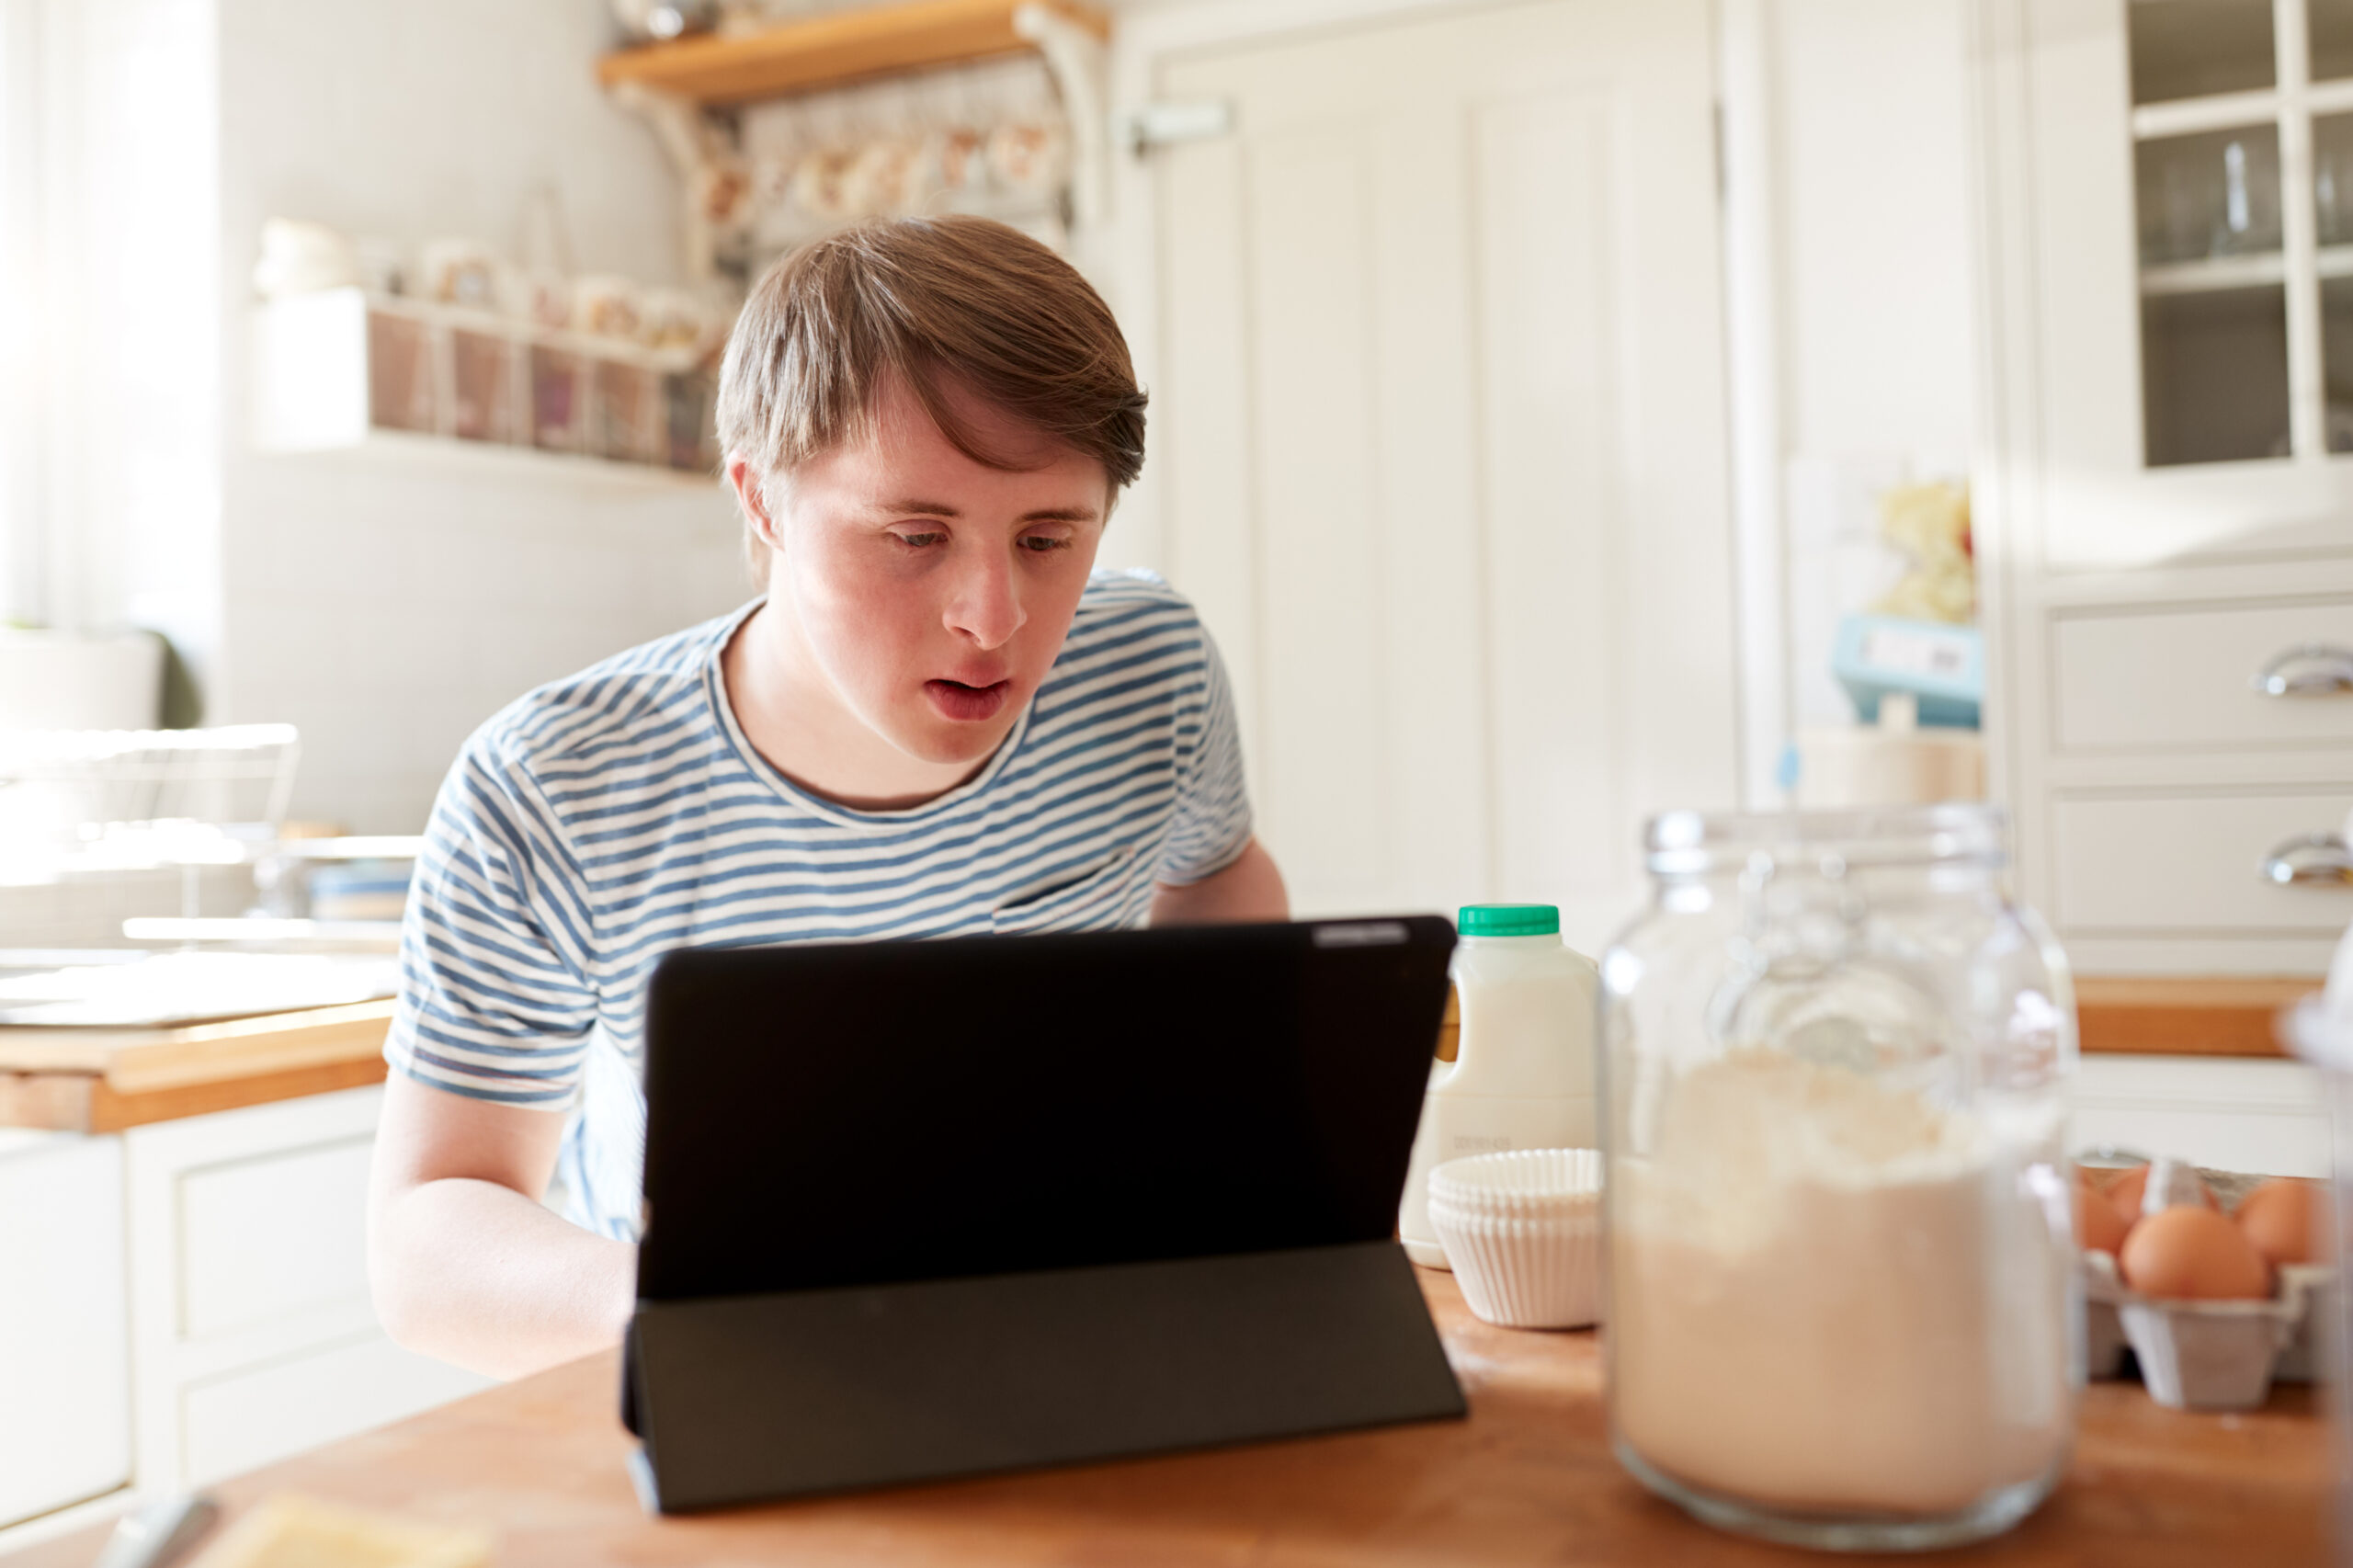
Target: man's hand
(1249,889)
(464,1262)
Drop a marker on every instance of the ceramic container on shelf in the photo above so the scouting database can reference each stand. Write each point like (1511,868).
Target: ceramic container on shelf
(1843,1279)
(1522,1075)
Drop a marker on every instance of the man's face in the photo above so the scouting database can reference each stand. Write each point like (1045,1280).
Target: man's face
(933,592)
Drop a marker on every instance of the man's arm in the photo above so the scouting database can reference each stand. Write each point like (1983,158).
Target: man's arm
(1249,889)
(465,1264)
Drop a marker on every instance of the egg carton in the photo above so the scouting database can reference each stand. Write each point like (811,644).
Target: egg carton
(2209,1354)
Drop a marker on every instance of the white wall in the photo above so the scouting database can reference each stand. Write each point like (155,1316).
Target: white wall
(386,608)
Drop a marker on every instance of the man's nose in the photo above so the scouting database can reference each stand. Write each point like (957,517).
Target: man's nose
(986,603)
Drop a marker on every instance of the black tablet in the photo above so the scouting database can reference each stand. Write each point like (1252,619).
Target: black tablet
(928,1208)
(858,1114)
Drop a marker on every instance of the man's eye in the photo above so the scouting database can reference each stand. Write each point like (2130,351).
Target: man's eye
(919,540)
(1041,543)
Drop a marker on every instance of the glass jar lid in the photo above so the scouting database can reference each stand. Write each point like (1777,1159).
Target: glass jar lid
(1691,844)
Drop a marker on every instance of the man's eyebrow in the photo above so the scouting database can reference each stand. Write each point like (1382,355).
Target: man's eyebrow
(921,508)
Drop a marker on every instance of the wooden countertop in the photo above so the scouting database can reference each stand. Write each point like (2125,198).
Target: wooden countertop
(92,1080)
(2186,1015)
(1528,1478)
(102,1080)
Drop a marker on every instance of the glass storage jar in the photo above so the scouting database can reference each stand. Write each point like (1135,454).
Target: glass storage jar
(1844,1307)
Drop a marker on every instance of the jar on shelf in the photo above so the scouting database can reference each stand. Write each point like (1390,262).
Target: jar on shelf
(1842,1282)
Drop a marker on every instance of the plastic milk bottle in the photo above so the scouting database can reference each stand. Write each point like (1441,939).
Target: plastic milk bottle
(1522,1075)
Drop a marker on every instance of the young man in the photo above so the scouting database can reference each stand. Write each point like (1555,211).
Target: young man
(935,721)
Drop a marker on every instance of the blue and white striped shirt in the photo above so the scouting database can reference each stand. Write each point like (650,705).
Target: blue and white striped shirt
(604,819)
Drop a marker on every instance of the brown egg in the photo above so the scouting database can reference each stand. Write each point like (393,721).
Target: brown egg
(2099,1227)
(2185,1253)
(2283,1220)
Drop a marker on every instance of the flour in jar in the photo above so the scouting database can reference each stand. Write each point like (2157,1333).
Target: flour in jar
(1831,1294)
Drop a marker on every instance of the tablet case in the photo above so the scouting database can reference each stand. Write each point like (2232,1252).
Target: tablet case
(936,1209)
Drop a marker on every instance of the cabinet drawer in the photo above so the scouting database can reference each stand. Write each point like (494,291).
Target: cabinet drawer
(271,1235)
(2191,864)
(233,1423)
(2184,678)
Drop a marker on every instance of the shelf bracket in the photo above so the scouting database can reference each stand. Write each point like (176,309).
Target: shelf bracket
(710,182)
(1074,58)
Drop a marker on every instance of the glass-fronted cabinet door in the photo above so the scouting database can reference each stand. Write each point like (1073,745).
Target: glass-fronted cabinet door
(2193,215)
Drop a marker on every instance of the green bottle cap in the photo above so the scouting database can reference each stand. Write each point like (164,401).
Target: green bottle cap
(1509,920)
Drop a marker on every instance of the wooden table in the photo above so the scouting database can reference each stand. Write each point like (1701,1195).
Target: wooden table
(1528,1478)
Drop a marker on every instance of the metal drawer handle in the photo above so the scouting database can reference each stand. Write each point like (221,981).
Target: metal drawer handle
(2310,859)
(2314,669)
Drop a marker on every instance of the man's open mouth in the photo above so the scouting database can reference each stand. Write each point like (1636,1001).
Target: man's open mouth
(968,703)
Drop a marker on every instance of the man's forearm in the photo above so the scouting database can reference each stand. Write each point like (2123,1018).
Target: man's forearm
(476,1273)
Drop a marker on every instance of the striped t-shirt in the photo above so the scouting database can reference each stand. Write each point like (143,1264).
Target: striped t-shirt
(603,820)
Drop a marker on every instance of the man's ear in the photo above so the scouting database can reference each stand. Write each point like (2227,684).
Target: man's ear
(744,480)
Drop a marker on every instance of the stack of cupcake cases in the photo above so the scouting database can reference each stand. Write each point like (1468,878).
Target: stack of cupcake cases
(1522,1232)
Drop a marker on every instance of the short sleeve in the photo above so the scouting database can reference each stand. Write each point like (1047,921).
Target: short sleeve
(495,1003)
(1212,827)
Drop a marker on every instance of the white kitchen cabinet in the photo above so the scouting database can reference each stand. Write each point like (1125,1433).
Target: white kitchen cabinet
(64,1348)
(251,1327)
(2241,1114)
(2166,498)
(1438,396)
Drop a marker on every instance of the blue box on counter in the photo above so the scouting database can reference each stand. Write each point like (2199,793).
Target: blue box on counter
(1940,665)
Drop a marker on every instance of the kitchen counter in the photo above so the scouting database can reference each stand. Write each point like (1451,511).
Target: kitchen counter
(103,1080)
(1529,1478)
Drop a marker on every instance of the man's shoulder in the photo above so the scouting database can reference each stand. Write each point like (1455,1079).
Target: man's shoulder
(576,716)
(1123,603)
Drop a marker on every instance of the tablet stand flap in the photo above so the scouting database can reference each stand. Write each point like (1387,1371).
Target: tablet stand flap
(744,1398)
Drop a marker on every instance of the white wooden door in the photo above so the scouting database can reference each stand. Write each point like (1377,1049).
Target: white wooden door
(1440,428)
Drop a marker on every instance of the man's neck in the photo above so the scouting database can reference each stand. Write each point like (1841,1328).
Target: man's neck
(795,719)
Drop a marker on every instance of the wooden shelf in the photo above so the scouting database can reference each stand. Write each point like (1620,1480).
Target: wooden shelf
(825,52)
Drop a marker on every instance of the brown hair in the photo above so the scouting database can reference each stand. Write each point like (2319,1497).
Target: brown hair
(931,302)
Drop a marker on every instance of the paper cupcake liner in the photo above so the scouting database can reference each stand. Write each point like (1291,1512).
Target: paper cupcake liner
(1522,1232)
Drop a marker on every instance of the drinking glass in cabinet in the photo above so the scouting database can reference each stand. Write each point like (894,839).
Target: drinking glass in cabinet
(2214,193)
(2333,179)
(557,392)
(2214,375)
(2194,48)
(2329,32)
(482,386)
(628,412)
(2337,361)
(400,373)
